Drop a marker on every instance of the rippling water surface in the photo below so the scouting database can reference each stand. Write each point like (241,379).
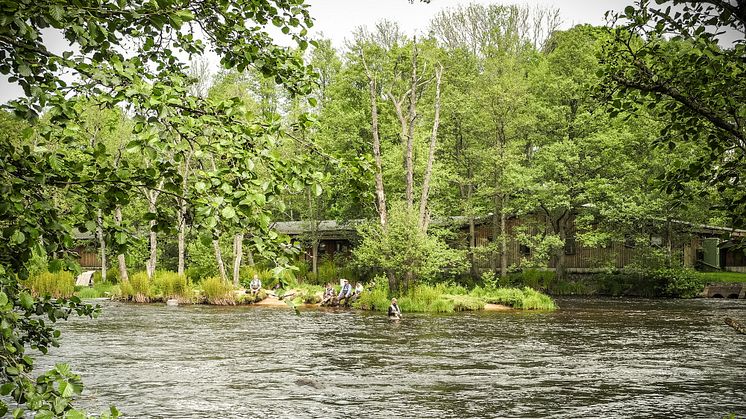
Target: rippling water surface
(592,358)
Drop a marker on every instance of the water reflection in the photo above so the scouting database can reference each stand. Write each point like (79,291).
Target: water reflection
(610,358)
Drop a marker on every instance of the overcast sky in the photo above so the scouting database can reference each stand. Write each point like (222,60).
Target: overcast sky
(336,19)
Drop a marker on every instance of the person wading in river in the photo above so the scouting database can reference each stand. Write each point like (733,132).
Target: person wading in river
(394,310)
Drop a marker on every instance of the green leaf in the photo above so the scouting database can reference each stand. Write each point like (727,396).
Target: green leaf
(6,388)
(3,299)
(26,300)
(228,213)
(18,237)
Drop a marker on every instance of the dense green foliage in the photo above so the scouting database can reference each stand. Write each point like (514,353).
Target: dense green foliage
(67,169)
(589,134)
(684,62)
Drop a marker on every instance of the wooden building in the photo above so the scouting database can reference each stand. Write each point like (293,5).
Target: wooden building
(691,243)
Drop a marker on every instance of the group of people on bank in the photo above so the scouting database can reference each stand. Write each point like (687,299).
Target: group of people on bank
(345,297)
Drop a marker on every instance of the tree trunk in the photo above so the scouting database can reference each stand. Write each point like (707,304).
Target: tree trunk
(219,259)
(150,267)
(495,238)
(315,256)
(412,115)
(431,153)
(250,256)
(237,256)
(102,243)
(152,261)
(472,247)
(561,268)
(181,236)
(380,194)
(503,242)
(181,216)
(120,257)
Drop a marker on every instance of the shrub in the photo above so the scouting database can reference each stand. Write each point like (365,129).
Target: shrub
(427,299)
(308,294)
(137,288)
(681,282)
(218,292)
(99,290)
(376,298)
(112,275)
(466,302)
(525,299)
(250,299)
(56,285)
(167,285)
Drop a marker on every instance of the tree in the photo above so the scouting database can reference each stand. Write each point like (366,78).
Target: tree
(684,63)
(128,54)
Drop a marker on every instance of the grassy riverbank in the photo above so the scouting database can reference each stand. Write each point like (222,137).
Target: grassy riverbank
(444,298)
(164,286)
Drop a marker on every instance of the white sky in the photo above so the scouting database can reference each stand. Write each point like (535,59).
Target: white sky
(337,19)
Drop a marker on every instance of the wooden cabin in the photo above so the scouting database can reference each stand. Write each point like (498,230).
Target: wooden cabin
(701,246)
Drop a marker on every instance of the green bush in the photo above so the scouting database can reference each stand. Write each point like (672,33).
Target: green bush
(308,294)
(376,298)
(137,288)
(681,282)
(99,290)
(218,292)
(466,302)
(427,299)
(251,299)
(167,285)
(56,285)
(570,288)
(112,275)
(525,299)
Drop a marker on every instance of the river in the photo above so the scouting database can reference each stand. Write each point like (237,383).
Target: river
(591,358)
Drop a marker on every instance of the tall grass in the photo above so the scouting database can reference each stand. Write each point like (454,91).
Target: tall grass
(218,292)
(54,284)
(466,302)
(98,290)
(136,288)
(308,294)
(167,285)
(427,299)
(524,299)
(376,298)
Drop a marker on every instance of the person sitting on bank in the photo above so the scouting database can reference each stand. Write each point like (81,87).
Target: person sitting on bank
(255,285)
(328,296)
(394,310)
(345,293)
(356,294)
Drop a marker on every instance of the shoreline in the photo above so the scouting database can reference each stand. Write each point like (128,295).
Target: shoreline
(274,301)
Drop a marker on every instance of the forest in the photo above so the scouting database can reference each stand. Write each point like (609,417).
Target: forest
(158,163)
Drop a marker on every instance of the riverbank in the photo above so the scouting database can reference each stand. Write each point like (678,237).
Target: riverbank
(274,301)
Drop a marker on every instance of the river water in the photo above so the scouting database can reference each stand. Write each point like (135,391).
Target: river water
(592,358)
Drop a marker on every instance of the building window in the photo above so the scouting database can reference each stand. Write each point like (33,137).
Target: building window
(570,246)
